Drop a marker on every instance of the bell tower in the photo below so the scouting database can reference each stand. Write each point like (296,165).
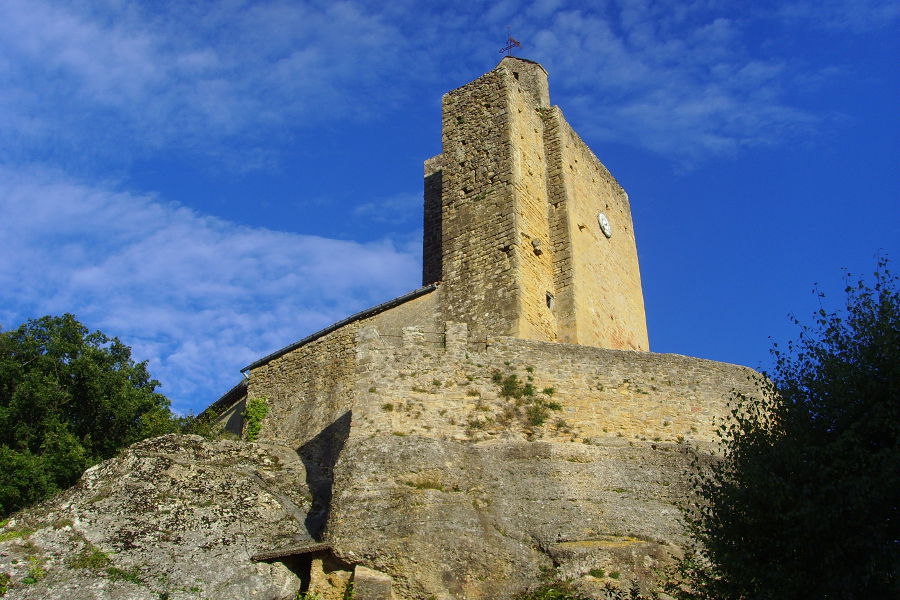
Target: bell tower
(530,234)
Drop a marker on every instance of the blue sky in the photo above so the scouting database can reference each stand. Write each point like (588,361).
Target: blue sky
(211,181)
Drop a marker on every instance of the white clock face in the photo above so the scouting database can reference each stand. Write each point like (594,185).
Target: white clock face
(604,225)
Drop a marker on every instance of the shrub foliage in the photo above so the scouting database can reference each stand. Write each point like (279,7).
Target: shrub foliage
(69,398)
(805,503)
(256,411)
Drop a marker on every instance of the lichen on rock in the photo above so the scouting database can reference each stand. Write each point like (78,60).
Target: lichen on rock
(172,517)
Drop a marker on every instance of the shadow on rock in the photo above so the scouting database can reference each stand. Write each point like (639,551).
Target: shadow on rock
(319,455)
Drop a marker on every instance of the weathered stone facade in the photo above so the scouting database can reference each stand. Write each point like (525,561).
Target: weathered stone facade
(507,417)
(514,198)
(437,383)
(511,220)
(435,477)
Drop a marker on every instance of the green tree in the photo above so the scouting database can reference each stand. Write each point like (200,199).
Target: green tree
(805,502)
(69,398)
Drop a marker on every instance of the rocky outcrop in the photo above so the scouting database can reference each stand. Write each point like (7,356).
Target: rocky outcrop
(459,520)
(174,517)
(402,517)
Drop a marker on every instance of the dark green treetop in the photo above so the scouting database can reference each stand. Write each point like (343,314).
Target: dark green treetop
(805,502)
(69,398)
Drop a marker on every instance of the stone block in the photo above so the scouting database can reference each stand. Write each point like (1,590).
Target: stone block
(369,584)
(456,337)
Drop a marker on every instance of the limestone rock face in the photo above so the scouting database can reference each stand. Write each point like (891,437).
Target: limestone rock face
(173,517)
(461,520)
(401,516)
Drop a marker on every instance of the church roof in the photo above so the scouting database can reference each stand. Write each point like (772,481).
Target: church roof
(355,317)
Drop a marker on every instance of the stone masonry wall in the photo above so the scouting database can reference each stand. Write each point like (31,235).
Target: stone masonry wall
(432,379)
(560,226)
(313,386)
(431,220)
(477,225)
(416,387)
(510,221)
(307,389)
(533,256)
(606,279)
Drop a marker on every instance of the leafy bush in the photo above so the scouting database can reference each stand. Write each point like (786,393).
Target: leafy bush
(205,425)
(805,502)
(537,414)
(511,386)
(69,398)
(256,411)
(537,408)
(36,571)
(117,574)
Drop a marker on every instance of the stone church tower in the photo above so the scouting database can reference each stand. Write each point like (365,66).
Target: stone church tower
(507,417)
(528,232)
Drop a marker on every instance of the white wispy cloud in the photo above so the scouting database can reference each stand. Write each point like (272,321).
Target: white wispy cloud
(198,297)
(857,16)
(677,80)
(106,78)
(398,209)
(235,81)
(689,80)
